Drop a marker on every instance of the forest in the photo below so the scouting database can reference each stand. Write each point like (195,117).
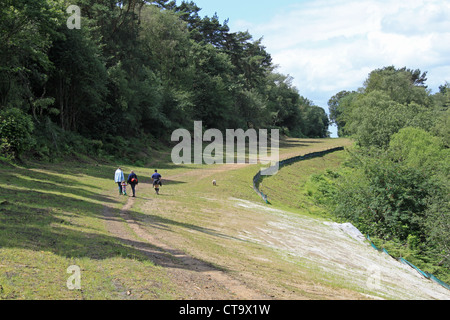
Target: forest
(130,74)
(395,183)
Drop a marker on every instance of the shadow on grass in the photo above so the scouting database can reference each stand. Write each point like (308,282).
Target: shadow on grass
(156,221)
(295,143)
(31,225)
(42,211)
(33,181)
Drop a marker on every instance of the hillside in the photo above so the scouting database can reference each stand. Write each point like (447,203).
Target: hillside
(194,241)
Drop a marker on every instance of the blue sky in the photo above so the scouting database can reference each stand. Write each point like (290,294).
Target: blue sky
(332,45)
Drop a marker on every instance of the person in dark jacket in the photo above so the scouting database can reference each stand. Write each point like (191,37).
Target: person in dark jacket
(133,181)
(156,177)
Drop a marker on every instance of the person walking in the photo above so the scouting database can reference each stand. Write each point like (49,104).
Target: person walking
(156,177)
(124,188)
(133,182)
(118,178)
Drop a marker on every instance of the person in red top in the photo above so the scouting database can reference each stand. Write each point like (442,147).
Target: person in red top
(133,182)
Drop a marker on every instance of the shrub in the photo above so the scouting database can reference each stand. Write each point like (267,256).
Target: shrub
(417,148)
(16,129)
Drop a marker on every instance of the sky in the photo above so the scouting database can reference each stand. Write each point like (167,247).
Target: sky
(332,45)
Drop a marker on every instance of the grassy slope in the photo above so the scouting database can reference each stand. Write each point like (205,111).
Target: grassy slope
(51,217)
(287,189)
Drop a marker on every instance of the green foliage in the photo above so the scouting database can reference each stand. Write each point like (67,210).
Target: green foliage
(403,86)
(337,104)
(77,83)
(27,30)
(322,187)
(375,117)
(16,129)
(390,100)
(397,199)
(437,226)
(395,185)
(442,126)
(402,205)
(419,149)
(140,69)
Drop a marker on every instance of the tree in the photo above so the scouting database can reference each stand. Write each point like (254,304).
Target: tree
(401,85)
(395,185)
(375,118)
(165,44)
(338,105)
(438,226)
(78,82)
(137,70)
(384,198)
(390,100)
(284,103)
(316,121)
(27,29)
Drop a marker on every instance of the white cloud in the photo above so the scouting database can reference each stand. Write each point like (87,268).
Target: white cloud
(423,18)
(329,46)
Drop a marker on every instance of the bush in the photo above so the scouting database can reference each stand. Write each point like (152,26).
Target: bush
(385,198)
(53,143)
(405,207)
(417,148)
(16,129)
(322,187)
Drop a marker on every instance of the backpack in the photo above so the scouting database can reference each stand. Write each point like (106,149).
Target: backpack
(134,180)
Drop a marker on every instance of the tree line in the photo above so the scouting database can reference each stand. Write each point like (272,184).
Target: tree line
(395,184)
(134,72)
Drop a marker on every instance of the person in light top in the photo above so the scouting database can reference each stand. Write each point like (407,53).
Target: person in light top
(118,178)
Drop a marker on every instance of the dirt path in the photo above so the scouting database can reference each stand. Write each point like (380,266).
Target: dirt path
(195,278)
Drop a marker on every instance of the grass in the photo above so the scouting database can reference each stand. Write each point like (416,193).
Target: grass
(288,188)
(52,217)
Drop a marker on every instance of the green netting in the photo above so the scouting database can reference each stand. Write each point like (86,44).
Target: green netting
(425,274)
(257,178)
(372,244)
(406,262)
(442,283)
